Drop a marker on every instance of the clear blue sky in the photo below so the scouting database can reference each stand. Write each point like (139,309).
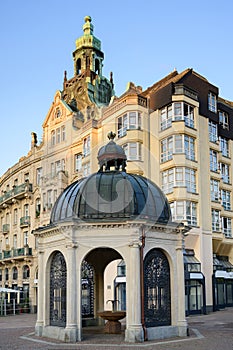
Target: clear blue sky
(142,40)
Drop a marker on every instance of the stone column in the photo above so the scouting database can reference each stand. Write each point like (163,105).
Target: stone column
(134,331)
(179,286)
(71,294)
(41,294)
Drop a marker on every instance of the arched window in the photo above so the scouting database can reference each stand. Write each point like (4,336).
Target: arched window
(87,290)
(97,66)
(78,66)
(26,272)
(58,279)
(15,273)
(157,301)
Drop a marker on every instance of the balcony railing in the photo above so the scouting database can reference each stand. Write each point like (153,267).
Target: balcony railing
(5,228)
(17,191)
(25,221)
(16,253)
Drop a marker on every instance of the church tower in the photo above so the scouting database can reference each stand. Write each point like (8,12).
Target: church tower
(88,89)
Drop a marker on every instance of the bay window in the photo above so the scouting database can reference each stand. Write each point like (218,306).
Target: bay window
(184,211)
(133,150)
(128,121)
(179,177)
(175,112)
(177,144)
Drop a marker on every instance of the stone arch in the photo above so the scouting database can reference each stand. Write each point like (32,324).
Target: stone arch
(157,289)
(57,290)
(98,258)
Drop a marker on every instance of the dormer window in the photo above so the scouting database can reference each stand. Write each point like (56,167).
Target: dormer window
(212,102)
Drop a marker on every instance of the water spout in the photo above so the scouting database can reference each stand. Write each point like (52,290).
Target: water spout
(114,303)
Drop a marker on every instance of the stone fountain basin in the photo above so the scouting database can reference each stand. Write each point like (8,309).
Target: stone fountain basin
(112,315)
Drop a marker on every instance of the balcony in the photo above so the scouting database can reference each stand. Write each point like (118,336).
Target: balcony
(5,228)
(180,89)
(17,253)
(25,221)
(18,192)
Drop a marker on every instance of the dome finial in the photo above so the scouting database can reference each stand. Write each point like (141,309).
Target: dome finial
(111,135)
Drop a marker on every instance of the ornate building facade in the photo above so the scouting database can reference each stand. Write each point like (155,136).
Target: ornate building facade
(178,133)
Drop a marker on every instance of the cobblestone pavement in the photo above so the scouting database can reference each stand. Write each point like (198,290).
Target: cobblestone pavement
(212,332)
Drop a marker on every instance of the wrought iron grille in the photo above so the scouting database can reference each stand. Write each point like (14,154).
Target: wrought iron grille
(157,302)
(58,290)
(87,290)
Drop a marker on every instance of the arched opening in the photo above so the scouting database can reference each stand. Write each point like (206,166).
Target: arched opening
(99,271)
(87,294)
(78,66)
(97,66)
(58,278)
(157,301)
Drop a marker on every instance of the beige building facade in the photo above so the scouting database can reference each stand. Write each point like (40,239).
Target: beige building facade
(178,133)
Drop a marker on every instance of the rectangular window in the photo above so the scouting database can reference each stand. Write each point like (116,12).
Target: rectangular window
(214,190)
(15,219)
(224,146)
(38,176)
(223,119)
(213,132)
(78,162)
(166,149)
(49,201)
(212,102)
(225,172)
(25,238)
(86,169)
(26,210)
(213,161)
(57,166)
(189,147)
(86,146)
(53,138)
(58,135)
(226,199)
(133,150)
(130,120)
(226,226)
(63,133)
(216,224)
(184,211)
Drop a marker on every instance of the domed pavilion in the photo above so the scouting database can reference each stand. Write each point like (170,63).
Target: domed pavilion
(104,217)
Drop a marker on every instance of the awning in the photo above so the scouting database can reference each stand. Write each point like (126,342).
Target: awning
(8,290)
(223,274)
